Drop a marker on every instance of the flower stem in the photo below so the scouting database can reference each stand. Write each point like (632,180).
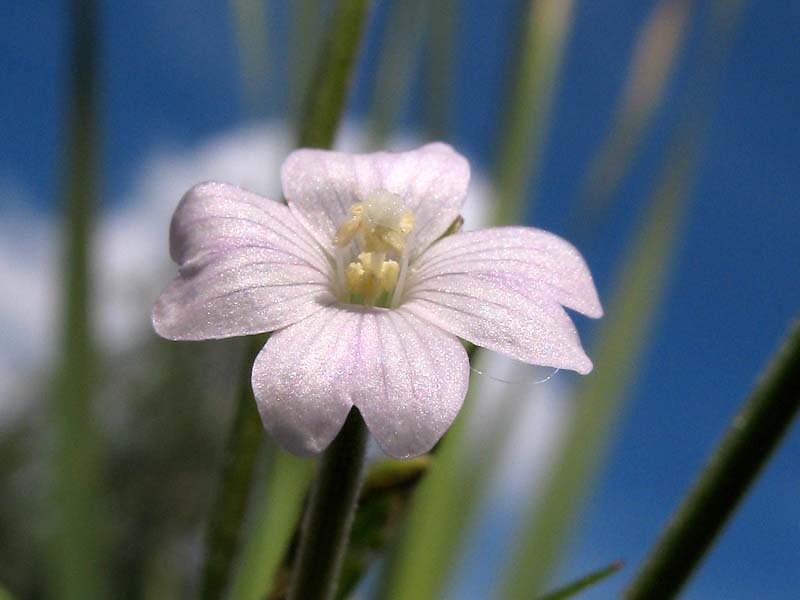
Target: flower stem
(78,521)
(745,449)
(329,517)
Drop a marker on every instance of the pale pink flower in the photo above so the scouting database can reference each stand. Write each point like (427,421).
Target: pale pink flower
(365,301)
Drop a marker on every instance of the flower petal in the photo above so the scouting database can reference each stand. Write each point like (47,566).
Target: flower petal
(407,378)
(502,314)
(245,266)
(530,255)
(301,380)
(415,380)
(321,186)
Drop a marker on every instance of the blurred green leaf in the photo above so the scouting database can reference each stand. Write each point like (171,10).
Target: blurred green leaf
(399,56)
(546,26)
(747,446)
(163,438)
(389,474)
(423,554)
(274,520)
(5,594)
(78,537)
(236,475)
(571,589)
(250,24)
(324,104)
(159,580)
(439,66)
(658,47)
(306,18)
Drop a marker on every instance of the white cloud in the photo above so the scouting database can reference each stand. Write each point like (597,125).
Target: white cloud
(28,281)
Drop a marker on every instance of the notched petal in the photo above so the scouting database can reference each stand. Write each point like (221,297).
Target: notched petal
(414,379)
(245,266)
(407,379)
(299,381)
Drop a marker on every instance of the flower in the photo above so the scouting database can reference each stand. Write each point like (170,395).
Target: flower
(365,294)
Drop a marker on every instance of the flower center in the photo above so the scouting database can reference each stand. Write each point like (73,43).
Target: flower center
(378,227)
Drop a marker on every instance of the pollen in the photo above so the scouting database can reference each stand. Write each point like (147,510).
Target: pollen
(379,225)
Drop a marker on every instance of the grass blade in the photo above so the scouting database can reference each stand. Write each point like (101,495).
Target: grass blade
(325,101)
(236,476)
(426,552)
(571,589)
(77,543)
(305,24)
(652,64)
(751,438)
(274,521)
(423,553)
(419,565)
(547,25)
(399,57)
(440,61)
(249,23)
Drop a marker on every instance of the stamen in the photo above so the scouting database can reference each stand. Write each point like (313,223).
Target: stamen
(340,276)
(379,225)
(401,280)
(348,230)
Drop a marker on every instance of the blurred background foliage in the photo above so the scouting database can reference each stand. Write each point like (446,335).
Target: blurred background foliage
(116,461)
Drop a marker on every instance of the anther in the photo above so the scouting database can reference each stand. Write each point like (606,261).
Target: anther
(380,225)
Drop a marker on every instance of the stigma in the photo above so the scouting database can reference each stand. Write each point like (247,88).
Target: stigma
(378,226)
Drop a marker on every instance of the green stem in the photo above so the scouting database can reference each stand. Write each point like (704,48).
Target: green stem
(230,502)
(325,100)
(305,26)
(745,449)
(330,513)
(443,17)
(545,29)
(79,560)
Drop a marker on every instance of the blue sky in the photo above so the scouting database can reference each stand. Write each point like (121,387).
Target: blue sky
(169,76)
